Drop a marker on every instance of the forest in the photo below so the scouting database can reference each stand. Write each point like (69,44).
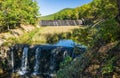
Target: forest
(97,9)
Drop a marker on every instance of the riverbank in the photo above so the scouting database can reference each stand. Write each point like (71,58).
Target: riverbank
(40,35)
(34,36)
(15,33)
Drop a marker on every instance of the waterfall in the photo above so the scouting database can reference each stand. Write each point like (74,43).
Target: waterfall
(37,62)
(42,60)
(24,64)
(65,54)
(52,64)
(12,60)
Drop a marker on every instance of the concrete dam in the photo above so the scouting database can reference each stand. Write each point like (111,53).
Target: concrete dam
(61,22)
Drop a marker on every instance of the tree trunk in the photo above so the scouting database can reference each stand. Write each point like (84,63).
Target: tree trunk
(118,16)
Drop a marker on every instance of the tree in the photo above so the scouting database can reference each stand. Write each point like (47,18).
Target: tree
(118,16)
(16,12)
(105,9)
(69,14)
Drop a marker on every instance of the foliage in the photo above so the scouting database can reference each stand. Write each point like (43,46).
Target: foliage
(104,32)
(105,8)
(55,16)
(108,68)
(97,9)
(48,17)
(66,61)
(23,39)
(16,12)
(109,31)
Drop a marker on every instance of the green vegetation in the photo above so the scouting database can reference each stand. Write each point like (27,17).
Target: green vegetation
(101,60)
(41,35)
(52,16)
(94,10)
(24,39)
(48,17)
(66,61)
(91,12)
(16,12)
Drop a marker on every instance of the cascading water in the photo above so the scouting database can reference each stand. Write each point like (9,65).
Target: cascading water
(12,60)
(65,54)
(52,64)
(24,64)
(47,58)
(37,62)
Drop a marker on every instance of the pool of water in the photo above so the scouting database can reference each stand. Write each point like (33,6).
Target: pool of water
(68,43)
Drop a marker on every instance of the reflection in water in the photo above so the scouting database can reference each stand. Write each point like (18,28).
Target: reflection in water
(66,43)
(69,43)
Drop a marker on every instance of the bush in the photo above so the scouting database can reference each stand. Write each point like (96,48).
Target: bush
(109,31)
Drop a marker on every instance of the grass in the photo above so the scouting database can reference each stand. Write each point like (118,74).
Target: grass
(24,39)
(40,35)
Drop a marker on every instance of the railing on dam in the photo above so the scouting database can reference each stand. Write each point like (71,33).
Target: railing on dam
(60,22)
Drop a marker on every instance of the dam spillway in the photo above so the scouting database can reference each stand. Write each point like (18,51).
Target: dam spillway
(61,22)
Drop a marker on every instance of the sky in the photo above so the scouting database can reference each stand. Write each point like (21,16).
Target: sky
(48,7)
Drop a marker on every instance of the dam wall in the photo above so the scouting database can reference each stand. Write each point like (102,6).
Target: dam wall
(61,22)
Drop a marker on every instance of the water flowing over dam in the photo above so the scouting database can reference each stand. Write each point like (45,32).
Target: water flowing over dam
(41,59)
(61,22)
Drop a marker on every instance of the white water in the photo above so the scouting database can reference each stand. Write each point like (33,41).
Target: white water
(24,64)
(65,54)
(38,53)
(12,60)
(52,62)
(37,61)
